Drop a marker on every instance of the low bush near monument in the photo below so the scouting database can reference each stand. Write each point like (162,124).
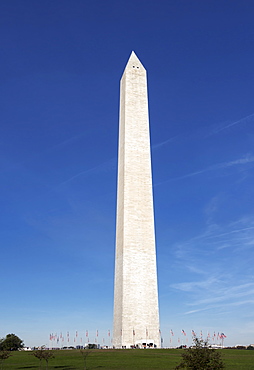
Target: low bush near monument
(43,354)
(3,356)
(201,357)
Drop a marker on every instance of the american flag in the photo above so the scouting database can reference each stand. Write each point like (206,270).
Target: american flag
(183,332)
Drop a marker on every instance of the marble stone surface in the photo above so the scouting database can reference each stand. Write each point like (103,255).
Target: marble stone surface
(136,313)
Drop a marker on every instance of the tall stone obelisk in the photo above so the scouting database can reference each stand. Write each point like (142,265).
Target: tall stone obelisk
(136,313)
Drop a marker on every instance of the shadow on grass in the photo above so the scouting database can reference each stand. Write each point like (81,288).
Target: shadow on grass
(54,367)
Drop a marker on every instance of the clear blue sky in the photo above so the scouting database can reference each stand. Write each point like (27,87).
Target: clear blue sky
(61,62)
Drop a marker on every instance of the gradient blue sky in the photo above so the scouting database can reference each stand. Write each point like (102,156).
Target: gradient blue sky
(61,62)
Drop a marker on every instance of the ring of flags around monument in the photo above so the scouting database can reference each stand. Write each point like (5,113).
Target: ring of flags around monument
(76,339)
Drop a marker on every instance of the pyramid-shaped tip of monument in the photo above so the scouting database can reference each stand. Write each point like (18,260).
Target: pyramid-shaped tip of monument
(134,62)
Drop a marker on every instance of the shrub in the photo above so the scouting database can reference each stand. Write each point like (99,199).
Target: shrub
(201,357)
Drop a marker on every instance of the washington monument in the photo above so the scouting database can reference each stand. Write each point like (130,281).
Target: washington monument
(136,312)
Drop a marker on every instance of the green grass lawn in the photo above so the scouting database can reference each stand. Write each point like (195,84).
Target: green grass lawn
(123,360)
